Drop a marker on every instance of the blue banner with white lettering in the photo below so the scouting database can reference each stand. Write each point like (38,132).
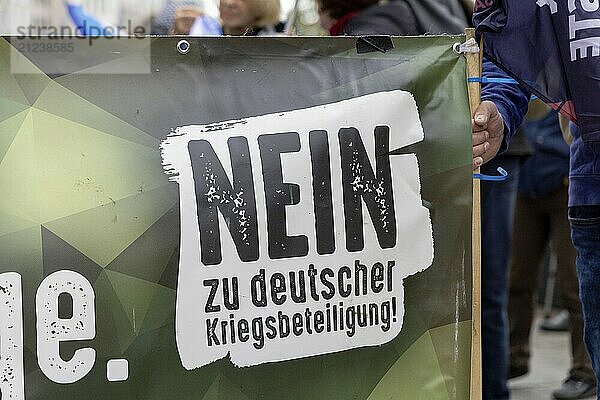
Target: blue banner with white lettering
(552,48)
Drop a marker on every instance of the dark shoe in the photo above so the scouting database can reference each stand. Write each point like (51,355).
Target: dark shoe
(575,388)
(556,323)
(517,370)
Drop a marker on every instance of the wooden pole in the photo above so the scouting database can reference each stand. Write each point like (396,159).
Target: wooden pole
(474,70)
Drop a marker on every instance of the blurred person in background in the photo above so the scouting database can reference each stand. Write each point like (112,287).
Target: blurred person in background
(250,17)
(442,16)
(395,17)
(541,216)
(183,19)
(164,22)
(367,17)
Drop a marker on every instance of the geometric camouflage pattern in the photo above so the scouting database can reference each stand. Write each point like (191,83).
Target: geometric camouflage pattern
(82,188)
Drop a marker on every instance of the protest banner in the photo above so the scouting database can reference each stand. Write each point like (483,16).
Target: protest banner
(253,218)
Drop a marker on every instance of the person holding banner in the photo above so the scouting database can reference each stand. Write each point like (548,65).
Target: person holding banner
(490,122)
(497,210)
(494,122)
(551,48)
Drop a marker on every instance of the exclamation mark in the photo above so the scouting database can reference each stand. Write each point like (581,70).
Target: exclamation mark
(394,312)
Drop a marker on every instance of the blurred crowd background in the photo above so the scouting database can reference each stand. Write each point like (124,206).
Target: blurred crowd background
(156,16)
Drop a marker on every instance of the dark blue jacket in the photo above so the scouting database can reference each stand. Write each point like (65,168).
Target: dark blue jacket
(512,100)
(545,171)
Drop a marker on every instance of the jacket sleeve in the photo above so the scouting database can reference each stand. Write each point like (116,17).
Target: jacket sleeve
(510,99)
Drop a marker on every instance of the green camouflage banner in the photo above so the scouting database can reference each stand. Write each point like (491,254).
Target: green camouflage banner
(234,218)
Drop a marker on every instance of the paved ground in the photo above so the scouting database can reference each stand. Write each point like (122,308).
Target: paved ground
(549,367)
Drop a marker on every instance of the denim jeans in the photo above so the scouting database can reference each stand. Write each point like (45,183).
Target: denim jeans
(497,210)
(585,231)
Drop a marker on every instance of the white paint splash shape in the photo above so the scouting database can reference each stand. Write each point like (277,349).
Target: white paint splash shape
(245,333)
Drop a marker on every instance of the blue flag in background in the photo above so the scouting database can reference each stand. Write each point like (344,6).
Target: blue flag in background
(86,24)
(552,47)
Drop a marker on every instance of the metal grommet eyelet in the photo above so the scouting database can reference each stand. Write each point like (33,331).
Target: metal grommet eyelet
(183,46)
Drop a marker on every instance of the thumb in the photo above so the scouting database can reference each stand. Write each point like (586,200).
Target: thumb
(484,112)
